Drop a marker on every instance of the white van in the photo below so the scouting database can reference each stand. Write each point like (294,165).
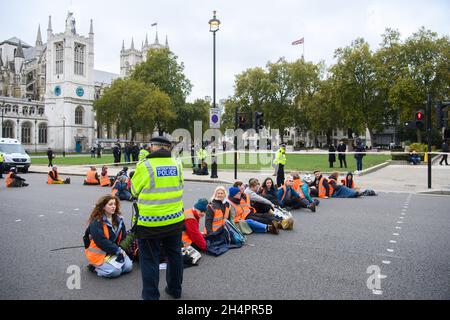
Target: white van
(14,154)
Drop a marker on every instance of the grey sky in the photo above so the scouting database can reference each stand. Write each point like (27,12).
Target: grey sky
(252,32)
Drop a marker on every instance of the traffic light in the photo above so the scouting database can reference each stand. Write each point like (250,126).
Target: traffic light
(242,122)
(259,121)
(420,120)
(441,114)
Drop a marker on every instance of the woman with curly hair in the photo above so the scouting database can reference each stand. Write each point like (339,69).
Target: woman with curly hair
(102,237)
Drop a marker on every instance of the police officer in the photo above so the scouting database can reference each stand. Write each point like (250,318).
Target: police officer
(158,185)
(143,153)
(280,161)
(2,159)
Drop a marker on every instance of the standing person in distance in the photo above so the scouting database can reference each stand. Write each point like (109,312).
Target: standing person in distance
(50,157)
(342,148)
(158,185)
(331,155)
(280,161)
(444,148)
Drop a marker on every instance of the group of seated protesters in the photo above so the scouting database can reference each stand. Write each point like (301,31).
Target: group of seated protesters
(120,184)
(249,208)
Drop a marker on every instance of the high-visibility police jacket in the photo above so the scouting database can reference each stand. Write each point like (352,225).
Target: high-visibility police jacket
(280,157)
(202,154)
(143,154)
(158,185)
(2,159)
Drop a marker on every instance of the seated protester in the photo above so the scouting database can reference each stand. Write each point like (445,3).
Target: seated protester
(123,172)
(241,214)
(192,235)
(263,217)
(288,197)
(260,204)
(321,185)
(340,191)
(413,158)
(105,181)
(217,211)
(102,237)
(348,181)
(53,177)
(268,191)
(203,170)
(120,189)
(306,189)
(92,178)
(13,180)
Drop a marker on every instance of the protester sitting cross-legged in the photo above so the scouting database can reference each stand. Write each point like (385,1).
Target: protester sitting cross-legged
(321,186)
(217,211)
(306,189)
(102,237)
(120,189)
(241,215)
(92,177)
(54,178)
(289,198)
(269,191)
(192,235)
(261,204)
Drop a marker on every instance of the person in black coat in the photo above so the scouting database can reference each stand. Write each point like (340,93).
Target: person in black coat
(50,157)
(445,156)
(135,152)
(331,155)
(342,148)
(359,156)
(117,153)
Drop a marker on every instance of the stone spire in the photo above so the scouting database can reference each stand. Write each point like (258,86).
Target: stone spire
(167,43)
(156,38)
(19,51)
(146,40)
(91,30)
(39,37)
(123,45)
(49,29)
(132,43)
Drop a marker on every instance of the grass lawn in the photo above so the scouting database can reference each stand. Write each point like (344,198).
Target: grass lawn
(300,162)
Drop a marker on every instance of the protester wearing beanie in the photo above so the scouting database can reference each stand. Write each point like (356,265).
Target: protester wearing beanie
(192,235)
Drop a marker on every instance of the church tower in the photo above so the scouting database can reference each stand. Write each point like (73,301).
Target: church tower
(70,87)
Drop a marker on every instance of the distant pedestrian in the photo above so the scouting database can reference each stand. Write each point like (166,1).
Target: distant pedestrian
(92,151)
(331,155)
(50,157)
(116,153)
(135,152)
(359,149)
(127,152)
(99,150)
(342,148)
(224,145)
(444,148)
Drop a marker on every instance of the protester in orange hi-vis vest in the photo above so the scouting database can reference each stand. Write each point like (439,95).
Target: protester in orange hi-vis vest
(217,211)
(289,198)
(102,239)
(105,181)
(192,235)
(92,177)
(54,178)
(13,180)
(322,186)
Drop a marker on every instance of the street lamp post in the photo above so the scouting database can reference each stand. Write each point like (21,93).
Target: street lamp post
(214,24)
(64,136)
(3,108)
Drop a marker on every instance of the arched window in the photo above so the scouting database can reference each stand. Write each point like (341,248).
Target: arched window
(15,109)
(24,110)
(43,133)
(8,129)
(26,133)
(7,108)
(79,113)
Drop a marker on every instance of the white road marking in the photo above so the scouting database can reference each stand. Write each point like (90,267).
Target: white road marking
(386,262)
(60,211)
(402,217)
(377,292)
(18,220)
(76,209)
(40,216)
(398,228)
(390,250)
(400,222)
(393,241)
(395,234)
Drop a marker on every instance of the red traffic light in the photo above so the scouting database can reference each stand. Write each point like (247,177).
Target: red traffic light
(419,115)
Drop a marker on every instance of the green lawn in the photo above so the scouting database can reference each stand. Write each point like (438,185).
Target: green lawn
(300,162)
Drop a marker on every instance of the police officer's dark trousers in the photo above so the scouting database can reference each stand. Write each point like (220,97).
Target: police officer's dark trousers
(149,258)
(280,175)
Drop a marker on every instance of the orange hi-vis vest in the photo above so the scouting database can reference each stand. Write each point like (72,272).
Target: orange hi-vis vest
(104,180)
(90,177)
(344,182)
(49,178)
(188,214)
(322,190)
(219,218)
(300,192)
(9,179)
(94,254)
(113,189)
(298,183)
(331,186)
(243,209)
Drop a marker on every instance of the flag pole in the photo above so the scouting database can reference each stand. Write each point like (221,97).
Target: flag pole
(303,55)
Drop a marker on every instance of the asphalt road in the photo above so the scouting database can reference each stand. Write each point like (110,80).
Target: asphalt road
(327,255)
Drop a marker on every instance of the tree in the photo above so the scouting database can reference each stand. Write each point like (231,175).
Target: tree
(191,112)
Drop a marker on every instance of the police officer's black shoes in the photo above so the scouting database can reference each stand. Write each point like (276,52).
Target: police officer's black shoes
(172,295)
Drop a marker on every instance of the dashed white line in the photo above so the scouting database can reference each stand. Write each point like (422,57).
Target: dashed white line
(390,250)
(399,222)
(393,241)
(18,220)
(398,228)
(386,262)
(377,292)
(41,215)
(76,209)
(395,234)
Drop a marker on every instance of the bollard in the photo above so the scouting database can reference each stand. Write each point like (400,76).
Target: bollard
(425,157)
(214,165)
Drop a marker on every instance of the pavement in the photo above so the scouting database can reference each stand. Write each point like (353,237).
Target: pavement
(384,178)
(330,254)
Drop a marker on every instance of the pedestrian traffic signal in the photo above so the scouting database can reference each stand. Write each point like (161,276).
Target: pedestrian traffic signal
(419,120)
(259,121)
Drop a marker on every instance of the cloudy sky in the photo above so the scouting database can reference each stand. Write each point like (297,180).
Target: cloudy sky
(252,32)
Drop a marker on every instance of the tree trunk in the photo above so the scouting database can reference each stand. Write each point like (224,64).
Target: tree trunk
(372,143)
